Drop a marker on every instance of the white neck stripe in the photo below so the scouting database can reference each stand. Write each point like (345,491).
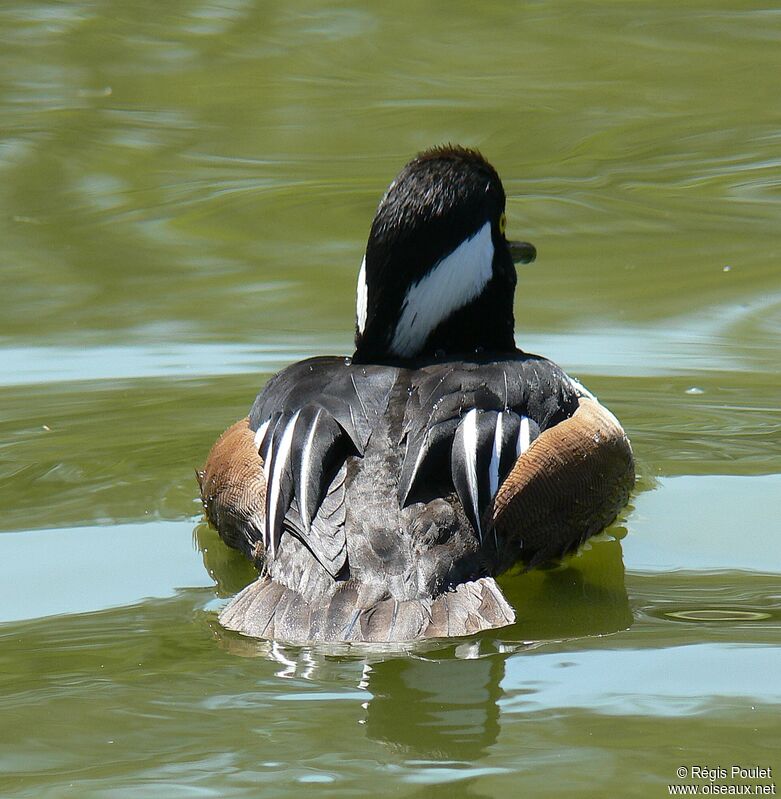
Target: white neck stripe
(453,282)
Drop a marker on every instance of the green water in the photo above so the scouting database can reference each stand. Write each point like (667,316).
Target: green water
(185,191)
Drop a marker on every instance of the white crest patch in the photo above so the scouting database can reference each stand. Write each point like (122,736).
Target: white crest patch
(363,297)
(455,281)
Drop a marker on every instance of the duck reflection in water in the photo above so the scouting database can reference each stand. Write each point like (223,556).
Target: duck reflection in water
(442,700)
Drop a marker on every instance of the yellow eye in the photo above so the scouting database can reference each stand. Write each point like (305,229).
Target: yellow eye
(502,224)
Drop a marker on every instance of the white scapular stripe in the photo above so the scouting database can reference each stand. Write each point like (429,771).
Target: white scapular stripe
(306,462)
(362,300)
(453,282)
(261,433)
(470,456)
(283,453)
(266,478)
(493,466)
(523,436)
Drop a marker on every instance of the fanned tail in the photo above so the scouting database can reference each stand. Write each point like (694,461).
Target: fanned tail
(267,609)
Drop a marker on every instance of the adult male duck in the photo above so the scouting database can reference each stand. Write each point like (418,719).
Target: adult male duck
(380,494)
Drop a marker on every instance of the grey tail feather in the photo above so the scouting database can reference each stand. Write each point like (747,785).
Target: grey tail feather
(267,609)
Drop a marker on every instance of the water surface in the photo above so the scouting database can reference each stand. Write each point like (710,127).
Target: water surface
(185,192)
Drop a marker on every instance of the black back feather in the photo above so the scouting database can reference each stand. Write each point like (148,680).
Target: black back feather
(462,424)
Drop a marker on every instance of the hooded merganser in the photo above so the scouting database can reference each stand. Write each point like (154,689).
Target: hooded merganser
(380,494)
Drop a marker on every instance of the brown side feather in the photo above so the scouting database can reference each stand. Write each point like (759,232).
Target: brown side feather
(233,489)
(567,486)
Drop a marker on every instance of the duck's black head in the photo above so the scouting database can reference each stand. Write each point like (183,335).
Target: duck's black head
(438,275)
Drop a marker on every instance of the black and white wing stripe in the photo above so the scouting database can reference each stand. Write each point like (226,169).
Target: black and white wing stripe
(480,417)
(464,424)
(485,447)
(309,418)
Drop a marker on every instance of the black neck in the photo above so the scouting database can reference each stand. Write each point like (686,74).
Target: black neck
(486,324)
